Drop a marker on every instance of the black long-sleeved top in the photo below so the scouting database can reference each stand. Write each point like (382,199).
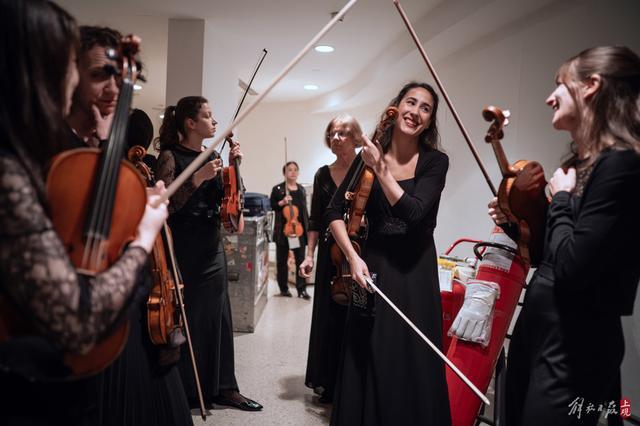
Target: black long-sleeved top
(593,241)
(412,212)
(73,311)
(323,190)
(299,199)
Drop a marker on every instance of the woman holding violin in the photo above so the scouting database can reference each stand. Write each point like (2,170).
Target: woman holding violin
(195,223)
(342,135)
(388,375)
(68,311)
(289,202)
(567,344)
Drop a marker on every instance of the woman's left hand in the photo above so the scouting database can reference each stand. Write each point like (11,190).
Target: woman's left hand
(235,153)
(373,155)
(562,181)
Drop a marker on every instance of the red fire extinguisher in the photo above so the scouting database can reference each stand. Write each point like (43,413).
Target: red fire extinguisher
(502,265)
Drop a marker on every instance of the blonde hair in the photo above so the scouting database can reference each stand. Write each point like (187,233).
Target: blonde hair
(353,129)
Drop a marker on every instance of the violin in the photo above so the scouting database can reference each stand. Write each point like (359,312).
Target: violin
(521,195)
(165,307)
(357,195)
(162,318)
(292,226)
(97,200)
(233,200)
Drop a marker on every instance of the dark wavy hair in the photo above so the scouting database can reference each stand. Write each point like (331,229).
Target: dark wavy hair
(91,36)
(173,122)
(37,38)
(429,136)
(611,118)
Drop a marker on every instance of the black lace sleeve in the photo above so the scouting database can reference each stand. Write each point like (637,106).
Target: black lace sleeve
(36,274)
(166,171)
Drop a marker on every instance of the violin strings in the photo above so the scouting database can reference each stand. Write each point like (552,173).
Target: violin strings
(107,179)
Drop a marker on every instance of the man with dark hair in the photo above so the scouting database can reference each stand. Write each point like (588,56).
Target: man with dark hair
(95,99)
(143,385)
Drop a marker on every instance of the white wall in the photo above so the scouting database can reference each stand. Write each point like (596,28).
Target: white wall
(184,59)
(513,68)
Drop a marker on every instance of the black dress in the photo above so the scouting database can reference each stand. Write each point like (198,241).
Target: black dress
(299,200)
(389,375)
(328,318)
(135,389)
(567,344)
(195,223)
(39,280)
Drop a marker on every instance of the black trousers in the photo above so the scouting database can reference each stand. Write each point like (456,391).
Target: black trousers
(282,255)
(564,364)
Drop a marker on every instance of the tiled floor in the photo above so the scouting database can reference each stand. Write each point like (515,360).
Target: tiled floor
(270,368)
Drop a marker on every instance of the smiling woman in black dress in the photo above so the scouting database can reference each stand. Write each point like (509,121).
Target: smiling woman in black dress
(388,375)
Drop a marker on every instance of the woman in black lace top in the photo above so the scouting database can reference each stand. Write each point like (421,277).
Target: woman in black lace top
(342,136)
(388,374)
(195,224)
(567,345)
(69,311)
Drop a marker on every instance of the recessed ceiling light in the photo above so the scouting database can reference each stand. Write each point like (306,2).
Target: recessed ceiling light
(310,87)
(324,49)
(137,87)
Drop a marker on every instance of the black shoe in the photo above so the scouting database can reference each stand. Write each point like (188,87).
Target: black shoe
(247,405)
(304,295)
(286,294)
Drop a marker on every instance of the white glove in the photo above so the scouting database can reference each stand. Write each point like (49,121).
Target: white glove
(473,322)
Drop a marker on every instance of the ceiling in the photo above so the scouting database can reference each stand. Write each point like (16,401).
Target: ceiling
(371,44)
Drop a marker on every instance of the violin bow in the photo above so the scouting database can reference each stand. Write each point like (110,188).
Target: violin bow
(246,90)
(204,155)
(429,342)
(178,280)
(472,147)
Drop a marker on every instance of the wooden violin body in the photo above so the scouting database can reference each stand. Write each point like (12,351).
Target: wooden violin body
(521,195)
(292,226)
(233,200)
(162,317)
(70,186)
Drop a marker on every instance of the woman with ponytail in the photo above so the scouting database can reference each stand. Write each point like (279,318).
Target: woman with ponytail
(194,218)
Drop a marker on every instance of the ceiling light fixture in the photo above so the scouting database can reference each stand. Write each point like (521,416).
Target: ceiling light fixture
(137,87)
(310,87)
(324,49)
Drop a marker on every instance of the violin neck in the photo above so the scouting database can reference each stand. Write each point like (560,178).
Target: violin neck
(356,176)
(236,166)
(505,169)
(98,223)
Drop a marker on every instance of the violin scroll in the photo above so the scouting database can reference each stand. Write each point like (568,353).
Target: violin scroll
(136,155)
(500,120)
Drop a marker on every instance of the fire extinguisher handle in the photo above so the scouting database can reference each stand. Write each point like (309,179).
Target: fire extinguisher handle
(478,246)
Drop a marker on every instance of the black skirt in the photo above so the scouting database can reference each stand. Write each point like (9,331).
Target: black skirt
(327,329)
(135,390)
(203,265)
